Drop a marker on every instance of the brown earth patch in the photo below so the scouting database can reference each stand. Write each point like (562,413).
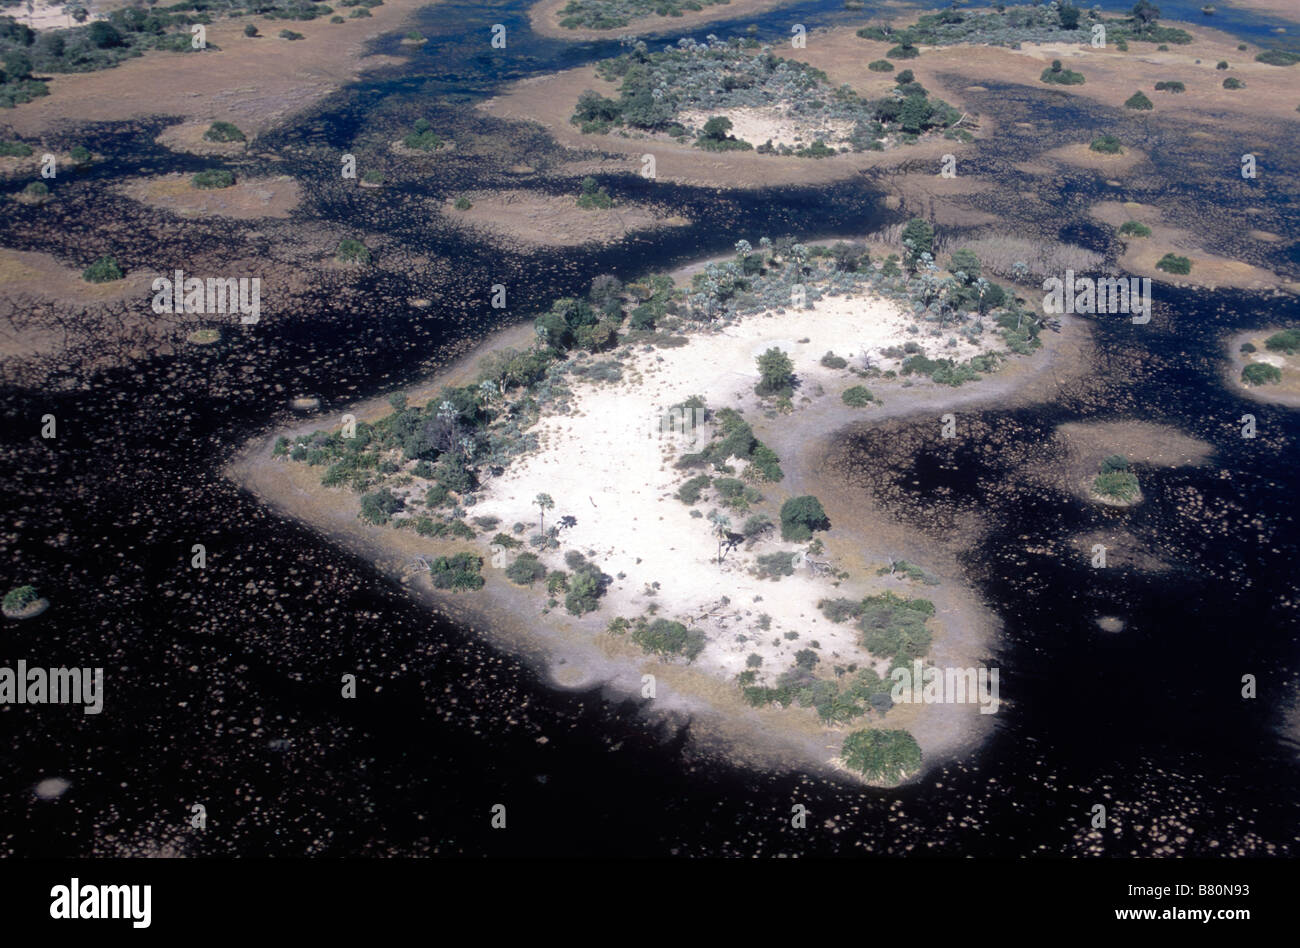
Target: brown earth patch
(539,219)
(247,199)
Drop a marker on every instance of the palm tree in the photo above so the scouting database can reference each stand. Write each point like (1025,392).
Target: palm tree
(544,503)
(721,523)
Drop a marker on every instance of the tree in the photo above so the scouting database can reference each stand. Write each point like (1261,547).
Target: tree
(717,128)
(104,35)
(18,65)
(1145,13)
(776,373)
(800,516)
(1068,16)
(544,503)
(848,257)
(918,238)
(250,30)
(721,527)
(964,261)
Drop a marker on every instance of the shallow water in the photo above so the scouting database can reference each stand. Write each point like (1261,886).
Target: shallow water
(223,684)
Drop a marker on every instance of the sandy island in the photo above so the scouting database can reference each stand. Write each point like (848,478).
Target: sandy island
(545,16)
(534,218)
(246,199)
(607,466)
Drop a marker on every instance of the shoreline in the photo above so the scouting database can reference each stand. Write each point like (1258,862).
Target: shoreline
(575,653)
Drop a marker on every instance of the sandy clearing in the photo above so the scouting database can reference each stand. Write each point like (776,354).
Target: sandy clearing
(247,199)
(605,465)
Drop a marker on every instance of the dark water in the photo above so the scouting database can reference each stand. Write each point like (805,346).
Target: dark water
(223,684)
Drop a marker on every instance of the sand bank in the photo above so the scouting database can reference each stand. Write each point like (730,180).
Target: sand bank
(606,466)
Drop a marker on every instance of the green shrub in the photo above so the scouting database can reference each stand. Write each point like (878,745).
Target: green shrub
(665,637)
(19,598)
(584,590)
(379,506)
(225,131)
(460,571)
(689,492)
(1247,347)
(1261,373)
(1120,485)
(1170,86)
(213,179)
(103,270)
(859,396)
(1134,229)
(1172,263)
(776,373)
(14,150)
(593,196)
(1221,64)
(903,51)
(291,35)
(463,203)
(831,361)
(526,569)
(353,251)
(881,755)
(895,627)
(1116,462)
(423,138)
(1233,83)
(1278,57)
(880,65)
(1138,100)
(1288,341)
(717,136)
(1057,75)
(250,30)
(800,516)
(772,565)
(37,190)
(1106,144)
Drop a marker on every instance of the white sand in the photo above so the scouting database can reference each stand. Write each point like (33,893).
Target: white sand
(606,465)
(757,125)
